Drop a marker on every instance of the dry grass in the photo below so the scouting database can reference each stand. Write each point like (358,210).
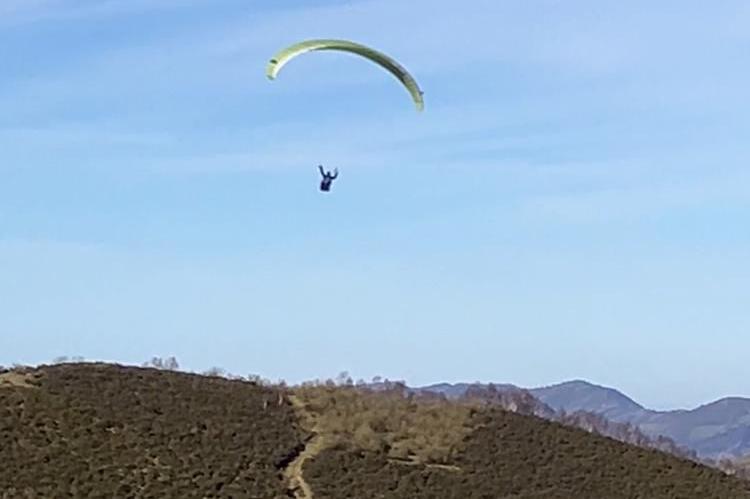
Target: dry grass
(422,429)
(19,379)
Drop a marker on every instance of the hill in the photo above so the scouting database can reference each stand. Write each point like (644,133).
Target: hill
(580,395)
(510,396)
(715,430)
(98,430)
(93,430)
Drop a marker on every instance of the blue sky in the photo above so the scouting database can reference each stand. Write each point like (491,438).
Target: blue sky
(572,203)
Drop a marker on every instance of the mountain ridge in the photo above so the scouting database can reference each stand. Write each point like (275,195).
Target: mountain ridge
(714,430)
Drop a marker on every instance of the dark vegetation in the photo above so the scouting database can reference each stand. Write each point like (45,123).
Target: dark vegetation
(95,430)
(92,430)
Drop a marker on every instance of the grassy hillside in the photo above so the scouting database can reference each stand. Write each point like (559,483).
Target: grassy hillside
(95,430)
(91,430)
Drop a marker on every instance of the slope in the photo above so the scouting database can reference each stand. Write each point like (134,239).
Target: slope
(96,430)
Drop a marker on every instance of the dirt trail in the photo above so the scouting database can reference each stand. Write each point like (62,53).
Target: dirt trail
(294,472)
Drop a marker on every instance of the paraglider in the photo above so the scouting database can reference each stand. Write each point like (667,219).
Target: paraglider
(407,80)
(281,58)
(325,184)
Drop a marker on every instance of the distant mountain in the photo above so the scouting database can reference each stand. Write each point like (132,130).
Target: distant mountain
(715,430)
(581,395)
(516,399)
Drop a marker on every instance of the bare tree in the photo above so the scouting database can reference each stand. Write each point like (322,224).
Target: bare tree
(169,364)
(215,371)
(344,379)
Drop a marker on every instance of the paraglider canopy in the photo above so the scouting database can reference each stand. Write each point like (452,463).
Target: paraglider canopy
(282,57)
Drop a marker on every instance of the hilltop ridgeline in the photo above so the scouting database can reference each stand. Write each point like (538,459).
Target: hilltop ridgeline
(100,430)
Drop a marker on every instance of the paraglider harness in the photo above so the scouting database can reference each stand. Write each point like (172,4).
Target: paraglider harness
(325,184)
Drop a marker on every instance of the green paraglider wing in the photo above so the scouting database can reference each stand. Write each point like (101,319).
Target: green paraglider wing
(287,54)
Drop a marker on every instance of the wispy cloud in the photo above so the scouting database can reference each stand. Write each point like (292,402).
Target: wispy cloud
(482,48)
(77,136)
(594,90)
(30,11)
(15,10)
(573,36)
(651,198)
